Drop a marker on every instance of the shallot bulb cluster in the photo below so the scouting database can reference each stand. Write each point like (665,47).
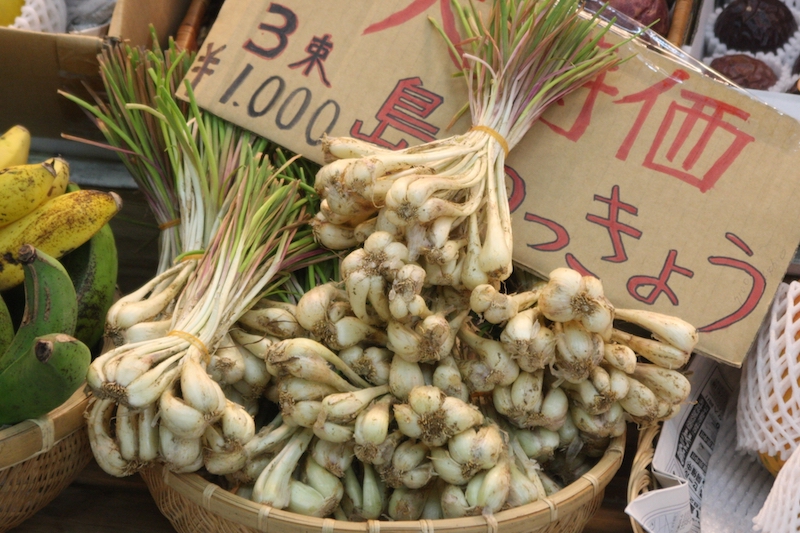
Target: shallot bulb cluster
(422,415)
(419,413)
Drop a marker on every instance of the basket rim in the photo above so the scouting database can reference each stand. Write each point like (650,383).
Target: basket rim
(29,438)
(640,479)
(257,516)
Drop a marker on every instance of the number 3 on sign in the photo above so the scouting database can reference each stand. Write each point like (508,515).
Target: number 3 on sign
(292,108)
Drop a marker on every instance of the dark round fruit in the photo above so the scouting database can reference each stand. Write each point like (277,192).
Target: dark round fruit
(755,25)
(745,71)
(646,12)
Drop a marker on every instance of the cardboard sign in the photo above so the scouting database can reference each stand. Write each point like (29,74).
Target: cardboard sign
(678,192)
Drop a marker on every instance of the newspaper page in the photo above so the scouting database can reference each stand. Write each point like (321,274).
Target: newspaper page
(684,447)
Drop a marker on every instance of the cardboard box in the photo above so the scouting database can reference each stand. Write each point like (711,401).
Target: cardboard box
(672,188)
(35,65)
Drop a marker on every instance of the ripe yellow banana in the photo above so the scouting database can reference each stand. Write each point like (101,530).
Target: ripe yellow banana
(56,227)
(14,146)
(23,188)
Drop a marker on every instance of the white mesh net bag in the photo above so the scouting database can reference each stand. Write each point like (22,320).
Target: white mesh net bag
(43,15)
(781,511)
(768,419)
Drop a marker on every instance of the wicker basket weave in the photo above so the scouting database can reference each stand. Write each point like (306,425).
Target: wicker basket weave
(641,479)
(40,458)
(194,505)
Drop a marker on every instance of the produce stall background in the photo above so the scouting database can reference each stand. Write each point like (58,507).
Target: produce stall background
(97,501)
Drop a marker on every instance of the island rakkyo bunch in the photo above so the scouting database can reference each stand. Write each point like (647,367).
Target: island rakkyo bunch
(420,377)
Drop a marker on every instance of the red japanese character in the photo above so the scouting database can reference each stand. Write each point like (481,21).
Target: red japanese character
(756,291)
(318,50)
(517,188)
(614,226)
(406,105)
(561,236)
(574,264)
(739,243)
(578,128)
(660,285)
(648,97)
(714,124)
(560,242)
(714,121)
(416,8)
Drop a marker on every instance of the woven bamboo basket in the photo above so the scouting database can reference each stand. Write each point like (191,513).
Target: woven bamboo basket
(195,505)
(39,458)
(641,478)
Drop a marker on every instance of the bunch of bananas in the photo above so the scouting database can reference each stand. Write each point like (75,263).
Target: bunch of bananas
(57,247)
